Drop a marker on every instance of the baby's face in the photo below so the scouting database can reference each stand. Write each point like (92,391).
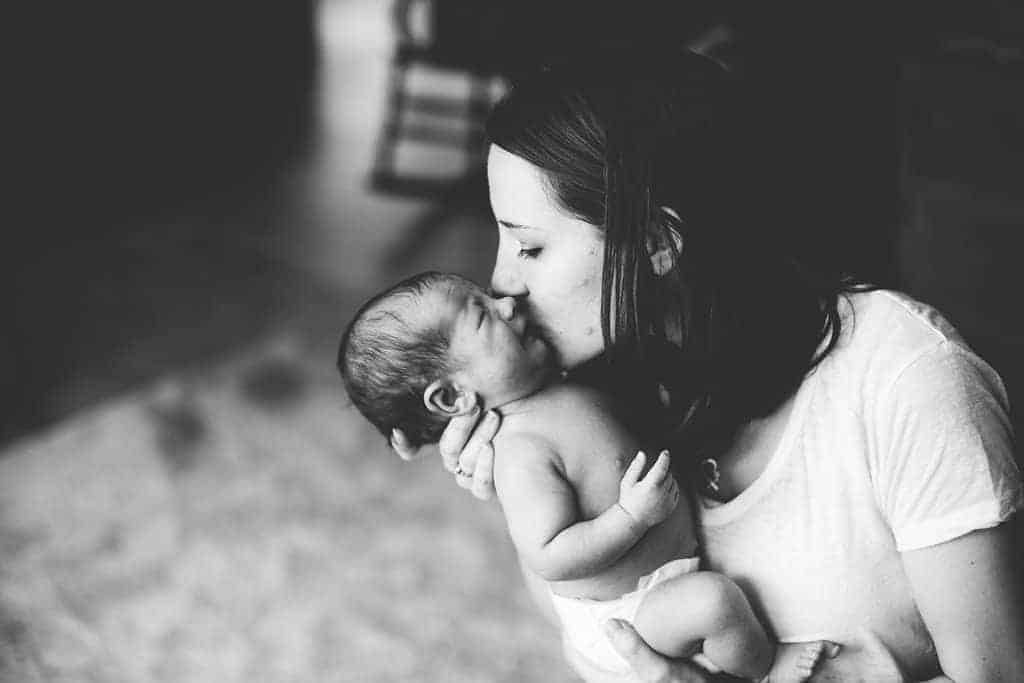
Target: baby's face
(498,357)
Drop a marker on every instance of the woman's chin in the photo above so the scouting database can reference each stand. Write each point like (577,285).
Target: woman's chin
(560,356)
(575,361)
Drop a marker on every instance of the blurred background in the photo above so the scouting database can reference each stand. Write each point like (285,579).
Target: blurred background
(206,192)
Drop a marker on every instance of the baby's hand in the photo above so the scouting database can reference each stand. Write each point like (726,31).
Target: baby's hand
(653,498)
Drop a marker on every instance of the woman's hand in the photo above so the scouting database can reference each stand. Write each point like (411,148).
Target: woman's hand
(465,448)
(651,667)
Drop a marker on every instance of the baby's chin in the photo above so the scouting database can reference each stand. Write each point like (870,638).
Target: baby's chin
(540,347)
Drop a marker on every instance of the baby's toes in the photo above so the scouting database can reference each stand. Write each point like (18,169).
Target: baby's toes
(810,656)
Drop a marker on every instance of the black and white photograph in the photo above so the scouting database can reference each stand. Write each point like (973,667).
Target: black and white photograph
(508,341)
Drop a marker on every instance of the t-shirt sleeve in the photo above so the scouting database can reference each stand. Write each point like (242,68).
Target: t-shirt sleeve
(943,462)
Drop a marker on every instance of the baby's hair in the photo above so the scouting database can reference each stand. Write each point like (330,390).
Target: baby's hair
(388,356)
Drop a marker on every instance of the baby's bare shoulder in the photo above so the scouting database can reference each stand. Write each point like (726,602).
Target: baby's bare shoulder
(580,418)
(525,446)
(521,452)
(579,401)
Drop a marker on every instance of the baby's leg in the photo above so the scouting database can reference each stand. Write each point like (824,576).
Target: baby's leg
(706,609)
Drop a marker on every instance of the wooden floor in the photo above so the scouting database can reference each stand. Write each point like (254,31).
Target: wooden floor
(247,524)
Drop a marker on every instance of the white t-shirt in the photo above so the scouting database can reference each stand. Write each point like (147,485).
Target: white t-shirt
(900,439)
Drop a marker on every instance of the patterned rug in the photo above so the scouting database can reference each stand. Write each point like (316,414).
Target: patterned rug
(245,524)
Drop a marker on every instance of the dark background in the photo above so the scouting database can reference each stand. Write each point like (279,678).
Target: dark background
(173,201)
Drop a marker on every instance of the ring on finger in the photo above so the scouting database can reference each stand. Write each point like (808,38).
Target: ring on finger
(459,472)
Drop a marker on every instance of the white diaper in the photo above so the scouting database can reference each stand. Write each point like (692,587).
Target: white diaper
(583,620)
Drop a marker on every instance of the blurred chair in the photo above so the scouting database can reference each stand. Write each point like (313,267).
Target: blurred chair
(460,36)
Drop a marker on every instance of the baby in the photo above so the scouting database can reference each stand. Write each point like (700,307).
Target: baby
(606,532)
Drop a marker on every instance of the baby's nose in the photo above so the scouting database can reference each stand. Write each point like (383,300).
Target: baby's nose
(506,307)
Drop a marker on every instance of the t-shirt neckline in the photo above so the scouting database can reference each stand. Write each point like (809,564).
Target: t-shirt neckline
(716,513)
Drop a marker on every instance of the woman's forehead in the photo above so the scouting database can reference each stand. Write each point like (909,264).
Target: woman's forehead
(523,201)
(519,191)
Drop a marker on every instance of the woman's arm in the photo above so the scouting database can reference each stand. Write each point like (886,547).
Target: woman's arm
(945,479)
(969,595)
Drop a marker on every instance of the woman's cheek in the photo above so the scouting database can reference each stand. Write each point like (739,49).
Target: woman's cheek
(588,305)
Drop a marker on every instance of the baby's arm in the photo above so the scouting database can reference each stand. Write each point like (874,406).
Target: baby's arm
(542,516)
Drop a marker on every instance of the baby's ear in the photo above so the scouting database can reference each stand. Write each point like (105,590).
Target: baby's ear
(663,255)
(446,398)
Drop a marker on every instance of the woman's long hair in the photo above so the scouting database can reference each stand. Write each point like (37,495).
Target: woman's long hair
(656,150)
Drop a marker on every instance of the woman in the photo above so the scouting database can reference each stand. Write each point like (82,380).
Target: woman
(852,457)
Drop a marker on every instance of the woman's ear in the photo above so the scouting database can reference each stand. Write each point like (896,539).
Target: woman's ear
(664,254)
(447,399)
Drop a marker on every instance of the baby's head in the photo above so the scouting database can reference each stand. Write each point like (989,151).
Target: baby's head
(430,348)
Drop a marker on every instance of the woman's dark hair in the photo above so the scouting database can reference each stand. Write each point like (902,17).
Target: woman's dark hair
(655,145)
(387,358)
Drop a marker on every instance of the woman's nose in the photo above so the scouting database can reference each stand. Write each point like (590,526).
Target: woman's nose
(506,280)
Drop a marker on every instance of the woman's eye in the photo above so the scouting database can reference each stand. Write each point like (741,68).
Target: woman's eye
(529,253)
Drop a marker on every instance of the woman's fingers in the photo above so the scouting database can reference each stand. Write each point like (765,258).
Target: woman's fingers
(466,450)
(480,439)
(478,457)
(455,438)
(647,665)
(483,473)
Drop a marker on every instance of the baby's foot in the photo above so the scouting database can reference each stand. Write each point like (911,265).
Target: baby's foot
(795,662)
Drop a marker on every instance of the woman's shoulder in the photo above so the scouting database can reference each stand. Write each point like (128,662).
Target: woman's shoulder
(887,330)
(890,340)
(910,315)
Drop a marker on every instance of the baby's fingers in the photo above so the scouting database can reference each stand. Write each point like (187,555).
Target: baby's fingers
(632,473)
(659,470)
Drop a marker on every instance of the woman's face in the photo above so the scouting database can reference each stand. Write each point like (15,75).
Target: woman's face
(548,259)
